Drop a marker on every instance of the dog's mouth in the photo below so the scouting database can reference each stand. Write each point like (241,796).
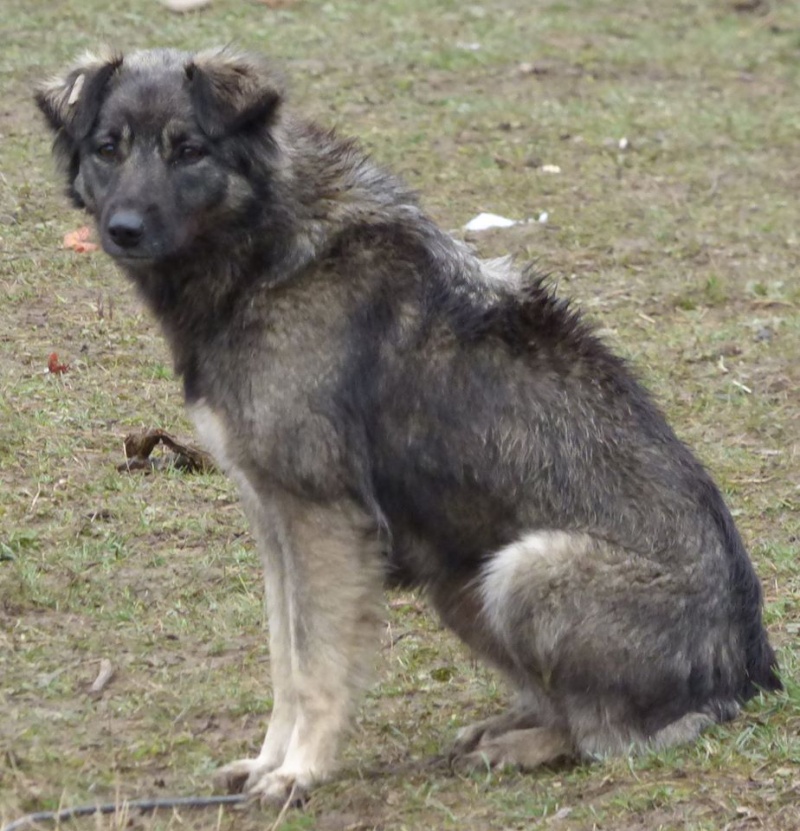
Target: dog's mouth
(129,257)
(134,261)
(146,253)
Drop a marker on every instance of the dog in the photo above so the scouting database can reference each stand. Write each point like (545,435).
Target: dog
(388,403)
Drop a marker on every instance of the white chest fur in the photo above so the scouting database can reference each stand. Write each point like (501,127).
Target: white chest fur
(212,433)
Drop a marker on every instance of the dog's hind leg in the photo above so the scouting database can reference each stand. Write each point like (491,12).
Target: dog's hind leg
(530,710)
(681,731)
(630,651)
(462,606)
(328,625)
(469,737)
(524,749)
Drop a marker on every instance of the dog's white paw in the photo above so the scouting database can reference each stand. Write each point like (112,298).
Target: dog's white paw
(278,788)
(240,776)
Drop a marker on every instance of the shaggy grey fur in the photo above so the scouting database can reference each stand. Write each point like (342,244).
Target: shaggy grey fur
(391,405)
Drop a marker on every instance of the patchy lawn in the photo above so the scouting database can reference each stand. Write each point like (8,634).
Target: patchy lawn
(673,221)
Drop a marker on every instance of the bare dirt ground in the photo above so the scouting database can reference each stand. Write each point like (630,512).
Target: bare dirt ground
(660,139)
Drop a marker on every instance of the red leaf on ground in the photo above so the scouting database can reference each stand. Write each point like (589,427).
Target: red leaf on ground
(54,366)
(80,240)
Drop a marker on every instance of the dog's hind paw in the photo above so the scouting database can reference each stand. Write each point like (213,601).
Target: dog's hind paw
(477,737)
(467,739)
(524,749)
(240,776)
(483,759)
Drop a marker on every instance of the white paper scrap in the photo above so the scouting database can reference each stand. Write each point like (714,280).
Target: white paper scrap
(483,222)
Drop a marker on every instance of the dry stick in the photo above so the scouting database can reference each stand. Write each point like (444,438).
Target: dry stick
(284,809)
(105,674)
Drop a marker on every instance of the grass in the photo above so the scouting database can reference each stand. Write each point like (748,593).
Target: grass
(681,241)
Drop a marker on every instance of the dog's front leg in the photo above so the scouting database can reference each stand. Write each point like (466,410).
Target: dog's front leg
(267,526)
(323,635)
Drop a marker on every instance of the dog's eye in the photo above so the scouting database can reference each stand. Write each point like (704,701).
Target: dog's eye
(107,151)
(189,153)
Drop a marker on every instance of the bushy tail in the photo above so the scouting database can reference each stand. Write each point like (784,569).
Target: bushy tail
(761,665)
(762,669)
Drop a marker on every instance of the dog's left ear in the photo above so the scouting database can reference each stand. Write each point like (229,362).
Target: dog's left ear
(70,102)
(232,91)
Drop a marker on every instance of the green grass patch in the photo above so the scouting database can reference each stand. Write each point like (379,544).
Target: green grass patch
(672,221)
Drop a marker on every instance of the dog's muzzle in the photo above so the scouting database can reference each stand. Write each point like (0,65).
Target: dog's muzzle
(126,229)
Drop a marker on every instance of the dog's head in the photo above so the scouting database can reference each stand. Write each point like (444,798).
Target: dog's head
(151,144)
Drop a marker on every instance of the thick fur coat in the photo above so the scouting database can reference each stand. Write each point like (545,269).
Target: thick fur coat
(387,402)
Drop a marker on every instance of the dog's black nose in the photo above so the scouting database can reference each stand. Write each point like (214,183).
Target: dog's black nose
(126,228)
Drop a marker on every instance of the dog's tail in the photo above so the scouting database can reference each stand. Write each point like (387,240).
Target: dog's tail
(761,665)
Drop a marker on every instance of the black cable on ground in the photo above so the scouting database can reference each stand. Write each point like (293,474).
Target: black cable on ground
(133,805)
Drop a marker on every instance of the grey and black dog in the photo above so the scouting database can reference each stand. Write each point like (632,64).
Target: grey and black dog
(372,386)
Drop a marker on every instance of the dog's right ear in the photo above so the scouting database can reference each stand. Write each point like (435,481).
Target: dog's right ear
(232,91)
(70,102)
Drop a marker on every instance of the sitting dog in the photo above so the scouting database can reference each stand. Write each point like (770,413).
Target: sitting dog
(371,385)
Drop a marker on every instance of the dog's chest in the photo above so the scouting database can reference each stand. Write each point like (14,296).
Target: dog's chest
(302,453)
(213,433)
(237,441)
(217,437)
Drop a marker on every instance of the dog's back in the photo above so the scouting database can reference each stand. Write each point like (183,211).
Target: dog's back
(534,488)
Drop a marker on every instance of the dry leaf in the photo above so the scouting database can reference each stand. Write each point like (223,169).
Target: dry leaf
(54,366)
(185,456)
(80,240)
